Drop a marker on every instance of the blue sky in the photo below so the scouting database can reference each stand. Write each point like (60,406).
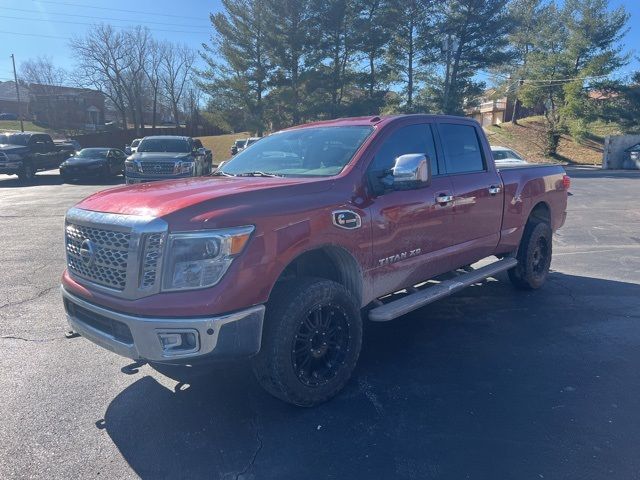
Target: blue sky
(43,27)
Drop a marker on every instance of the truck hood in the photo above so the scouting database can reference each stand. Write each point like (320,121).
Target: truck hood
(160,199)
(159,156)
(11,148)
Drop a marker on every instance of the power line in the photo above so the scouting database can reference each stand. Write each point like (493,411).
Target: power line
(144,12)
(93,24)
(35,35)
(106,18)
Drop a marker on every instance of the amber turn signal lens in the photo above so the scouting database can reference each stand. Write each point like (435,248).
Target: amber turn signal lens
(238,242)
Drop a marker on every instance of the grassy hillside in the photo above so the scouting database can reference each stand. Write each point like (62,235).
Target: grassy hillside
(527,137)
(221,145)
(15,125)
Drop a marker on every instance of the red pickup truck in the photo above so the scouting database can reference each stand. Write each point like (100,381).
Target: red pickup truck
(283,252)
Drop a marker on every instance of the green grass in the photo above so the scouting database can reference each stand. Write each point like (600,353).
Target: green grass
(220,145)
(528,138)
(15,125)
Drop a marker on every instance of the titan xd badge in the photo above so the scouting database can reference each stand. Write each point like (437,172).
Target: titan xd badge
(346,219)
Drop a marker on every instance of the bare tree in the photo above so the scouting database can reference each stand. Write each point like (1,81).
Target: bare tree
(44,78)
(177,66)
(153,72)
(103,60)
(135,80)
(42,71)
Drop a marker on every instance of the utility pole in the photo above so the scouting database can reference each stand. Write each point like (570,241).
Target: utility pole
(15,77)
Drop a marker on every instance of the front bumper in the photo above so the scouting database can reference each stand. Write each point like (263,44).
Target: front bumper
(83,171)
(236,334)
(10,168)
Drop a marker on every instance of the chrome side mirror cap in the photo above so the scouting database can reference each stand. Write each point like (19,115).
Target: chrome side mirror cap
(412,170)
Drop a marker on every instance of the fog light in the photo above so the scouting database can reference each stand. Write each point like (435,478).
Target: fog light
(178,342)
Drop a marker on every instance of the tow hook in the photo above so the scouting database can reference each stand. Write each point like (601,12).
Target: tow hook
(132,368)
(71,334)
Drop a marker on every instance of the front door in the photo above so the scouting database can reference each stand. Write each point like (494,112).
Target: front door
(410,228)
(477,189)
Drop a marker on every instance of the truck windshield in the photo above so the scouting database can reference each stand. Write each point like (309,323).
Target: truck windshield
(307,152)
(8,139)
(177,145)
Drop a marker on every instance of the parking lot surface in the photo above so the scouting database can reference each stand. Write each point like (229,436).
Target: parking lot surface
(491,383)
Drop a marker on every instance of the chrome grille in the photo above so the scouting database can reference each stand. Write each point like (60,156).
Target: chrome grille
(152,253)
(120,255)
(108,265)
(157,168)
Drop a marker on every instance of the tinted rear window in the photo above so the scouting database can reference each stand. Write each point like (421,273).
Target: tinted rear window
(461,147)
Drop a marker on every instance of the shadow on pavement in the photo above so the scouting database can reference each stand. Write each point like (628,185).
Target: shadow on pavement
(491,383)
(53,178)
(597,172)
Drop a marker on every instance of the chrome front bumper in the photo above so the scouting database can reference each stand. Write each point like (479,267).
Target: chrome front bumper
(236,334)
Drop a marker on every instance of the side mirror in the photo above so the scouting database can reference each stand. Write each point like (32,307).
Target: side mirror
(412,170)
(127,150)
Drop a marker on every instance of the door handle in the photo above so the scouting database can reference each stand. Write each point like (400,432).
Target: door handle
(444,199)
(493,190)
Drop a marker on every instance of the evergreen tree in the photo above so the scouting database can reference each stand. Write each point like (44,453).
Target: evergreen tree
(237,64)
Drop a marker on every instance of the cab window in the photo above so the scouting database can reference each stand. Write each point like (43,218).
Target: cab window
(409,139)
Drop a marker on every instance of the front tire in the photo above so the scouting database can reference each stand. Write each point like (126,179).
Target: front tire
(534,257)
(310,343)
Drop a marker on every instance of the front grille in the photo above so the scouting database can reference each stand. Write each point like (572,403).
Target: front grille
(107,265)
(118,330)
(152,252)
(157,168)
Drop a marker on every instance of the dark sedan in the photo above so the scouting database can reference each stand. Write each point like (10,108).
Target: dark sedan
(94,162)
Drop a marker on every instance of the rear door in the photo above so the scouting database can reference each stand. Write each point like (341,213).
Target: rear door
(477,190)
(410,228)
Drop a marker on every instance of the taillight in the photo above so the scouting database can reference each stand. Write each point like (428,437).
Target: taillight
(566,182)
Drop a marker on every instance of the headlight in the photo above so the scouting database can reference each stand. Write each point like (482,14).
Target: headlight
(183,167)
(200,259)
(129,166)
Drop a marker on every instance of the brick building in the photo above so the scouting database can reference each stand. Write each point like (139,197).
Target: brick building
(66,107)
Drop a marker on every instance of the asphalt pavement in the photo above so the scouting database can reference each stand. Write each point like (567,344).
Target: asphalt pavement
(491,383)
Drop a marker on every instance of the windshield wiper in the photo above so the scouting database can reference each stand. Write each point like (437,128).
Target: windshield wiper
(220,173)
(258,174)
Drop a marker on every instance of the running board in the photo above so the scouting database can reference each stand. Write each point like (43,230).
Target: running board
(419,299)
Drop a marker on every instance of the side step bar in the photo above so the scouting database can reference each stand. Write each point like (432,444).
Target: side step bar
(419,299)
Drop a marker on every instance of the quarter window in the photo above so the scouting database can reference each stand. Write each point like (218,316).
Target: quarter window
(409,139)
(462,152)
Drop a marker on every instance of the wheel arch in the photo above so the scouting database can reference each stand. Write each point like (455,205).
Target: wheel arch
(541,211)
(330,262)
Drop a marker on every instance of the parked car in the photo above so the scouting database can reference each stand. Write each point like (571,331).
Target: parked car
(250,141)
(93,162)
(166,157)
(133,148)
(70,144)
(294,241)
(238,145)
(208,154)
(8,116)
(25,153)
(504,156)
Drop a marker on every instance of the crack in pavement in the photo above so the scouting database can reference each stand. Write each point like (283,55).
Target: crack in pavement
(34,340)
(35,297)
(255,454)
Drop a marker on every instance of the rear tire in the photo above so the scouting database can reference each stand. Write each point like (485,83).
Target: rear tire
(27,174)
(534,256)
(310,343)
